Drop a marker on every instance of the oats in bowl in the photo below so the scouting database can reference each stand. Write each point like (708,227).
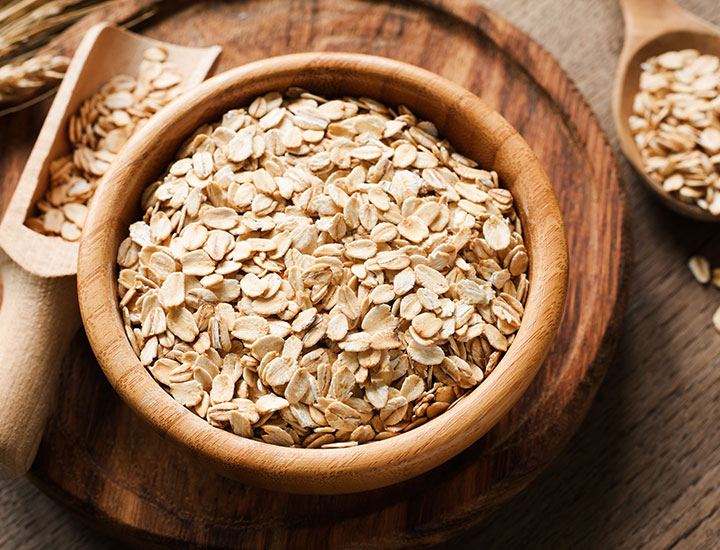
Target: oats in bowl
(322,273)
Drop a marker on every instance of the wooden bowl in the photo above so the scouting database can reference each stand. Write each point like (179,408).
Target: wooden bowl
(474,129)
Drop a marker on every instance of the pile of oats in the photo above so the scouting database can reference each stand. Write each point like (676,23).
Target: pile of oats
(700,268)
(101,127)
(676,125)
(322,273)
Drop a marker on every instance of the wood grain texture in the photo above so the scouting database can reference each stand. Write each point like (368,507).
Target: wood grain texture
(433,507)
(653,27)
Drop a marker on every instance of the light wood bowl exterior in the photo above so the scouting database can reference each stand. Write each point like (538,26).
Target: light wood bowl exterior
(653,27)
(474,129)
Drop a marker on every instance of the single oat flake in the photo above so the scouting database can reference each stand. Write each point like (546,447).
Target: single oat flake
(319,273)
(700,268)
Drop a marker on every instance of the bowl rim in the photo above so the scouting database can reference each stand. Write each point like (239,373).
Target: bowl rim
(379,463)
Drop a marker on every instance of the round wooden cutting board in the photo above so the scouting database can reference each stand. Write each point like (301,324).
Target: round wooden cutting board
(104,462)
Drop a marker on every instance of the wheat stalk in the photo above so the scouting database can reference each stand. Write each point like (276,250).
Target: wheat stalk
(26,25)
(24,80)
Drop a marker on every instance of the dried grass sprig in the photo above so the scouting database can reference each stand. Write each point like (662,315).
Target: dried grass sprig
(25,26)
(23,80)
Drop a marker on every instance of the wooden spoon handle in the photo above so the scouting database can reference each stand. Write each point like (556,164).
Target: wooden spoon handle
(646,19)
(37,321)
(638,11)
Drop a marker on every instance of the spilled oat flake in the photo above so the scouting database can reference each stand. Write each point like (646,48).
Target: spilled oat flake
(700,268)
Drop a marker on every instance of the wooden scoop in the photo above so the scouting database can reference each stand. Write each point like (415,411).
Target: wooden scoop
(39,312)
(653,27)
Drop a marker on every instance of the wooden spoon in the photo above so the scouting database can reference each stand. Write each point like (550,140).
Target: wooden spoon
(653,27)
(39,312)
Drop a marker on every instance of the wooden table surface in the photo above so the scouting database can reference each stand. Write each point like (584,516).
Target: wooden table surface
(644,469)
